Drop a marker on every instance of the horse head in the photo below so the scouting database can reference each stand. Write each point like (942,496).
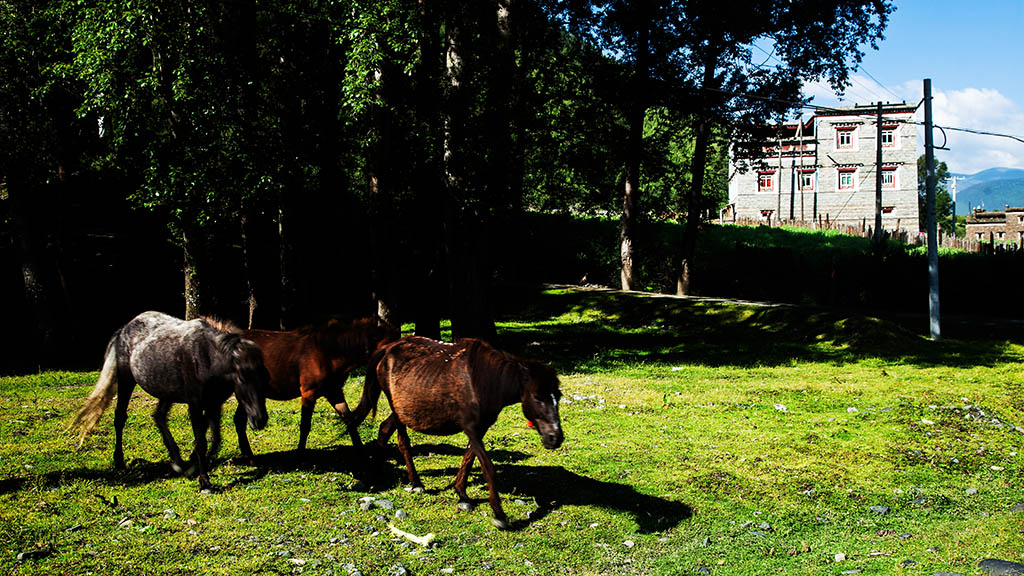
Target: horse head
(251,380)
(540,396)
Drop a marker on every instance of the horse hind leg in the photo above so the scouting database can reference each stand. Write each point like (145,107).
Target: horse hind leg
(306,420)
(392,424)
(500,520)
(163,407)
(125,387)
(462,479)
(197,416)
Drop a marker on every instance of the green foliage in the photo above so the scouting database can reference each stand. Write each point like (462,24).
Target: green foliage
(739,438)
(943,200)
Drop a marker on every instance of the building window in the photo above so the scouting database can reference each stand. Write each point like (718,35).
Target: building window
(807,180)
(888,136)
(1000,235)
(981,236)
(847,179)
(844,138)
(765,182)
(889,178)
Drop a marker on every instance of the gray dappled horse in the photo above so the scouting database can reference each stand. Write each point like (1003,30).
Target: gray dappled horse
(198,362)
(442,389)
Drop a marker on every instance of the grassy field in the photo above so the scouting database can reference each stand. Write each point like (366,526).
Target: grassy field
(701,437)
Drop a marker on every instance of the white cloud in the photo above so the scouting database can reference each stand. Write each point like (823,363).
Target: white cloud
(981,109)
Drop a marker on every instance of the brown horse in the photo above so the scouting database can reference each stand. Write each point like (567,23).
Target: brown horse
(438,388)
(315,361)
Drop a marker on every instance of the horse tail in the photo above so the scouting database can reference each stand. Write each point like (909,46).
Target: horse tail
(89,415)
(371,391)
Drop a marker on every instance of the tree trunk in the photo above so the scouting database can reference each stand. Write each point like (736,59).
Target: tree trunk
(634,152)
(694,199)
(430,179)
(39,272)
(466,221)
(193,288)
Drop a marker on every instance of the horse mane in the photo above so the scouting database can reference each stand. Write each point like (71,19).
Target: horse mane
(221,325)
(229,335)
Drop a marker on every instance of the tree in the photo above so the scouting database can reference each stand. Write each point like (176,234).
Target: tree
(736,95)
(44,145)
(943,201)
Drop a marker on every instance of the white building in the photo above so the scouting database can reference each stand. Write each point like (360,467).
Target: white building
(824,170)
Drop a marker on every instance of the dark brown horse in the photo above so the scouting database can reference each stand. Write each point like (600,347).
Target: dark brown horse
(442,389)
(315,361)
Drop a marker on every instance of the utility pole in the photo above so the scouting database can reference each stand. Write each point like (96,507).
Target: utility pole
(933,247)
(952,192)
(878,175)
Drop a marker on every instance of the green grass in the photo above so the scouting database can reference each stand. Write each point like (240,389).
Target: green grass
(676,457)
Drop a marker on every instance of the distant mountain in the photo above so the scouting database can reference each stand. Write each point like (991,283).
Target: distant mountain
(994,189)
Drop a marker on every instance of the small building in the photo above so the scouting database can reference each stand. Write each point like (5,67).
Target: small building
(824,169)
(990,227)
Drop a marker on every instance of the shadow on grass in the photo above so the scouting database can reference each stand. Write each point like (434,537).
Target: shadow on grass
(338,459)
(554,487)
(550,486)
(600,329)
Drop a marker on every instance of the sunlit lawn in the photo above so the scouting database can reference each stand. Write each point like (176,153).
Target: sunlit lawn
(699,437)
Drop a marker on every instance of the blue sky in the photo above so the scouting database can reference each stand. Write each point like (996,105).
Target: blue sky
(973,52)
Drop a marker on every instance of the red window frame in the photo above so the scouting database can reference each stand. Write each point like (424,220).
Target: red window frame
(852,173)
(891,174)
(808,187)
(890,132)
(840,133)
(766,181)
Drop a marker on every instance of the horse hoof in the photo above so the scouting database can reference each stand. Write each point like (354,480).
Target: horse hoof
(500,524)
(418,490)
(177,468)
(466,506)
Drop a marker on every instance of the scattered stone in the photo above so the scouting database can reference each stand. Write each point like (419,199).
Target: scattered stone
(33,554)
(996,567)
(74,528)
(467,506)
(905,536)
(398,570)
(1019,507)
(927,422)
(971,491)
(854,571)
(759,534)
(948,574)
(781,408)
(851,410)
(746,525)
(629,544)
(907,563)
(706,542)
(384,504)
(764,526)
(519,502)
(703,570)
(401,514)
(880,510)
(840,557)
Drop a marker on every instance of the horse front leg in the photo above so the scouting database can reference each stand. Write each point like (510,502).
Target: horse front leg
(199,425)
(213,423)
(500,520)
(163,407)
(336,397)
(243,438)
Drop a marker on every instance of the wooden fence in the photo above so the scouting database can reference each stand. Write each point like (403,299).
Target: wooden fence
(866,231)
